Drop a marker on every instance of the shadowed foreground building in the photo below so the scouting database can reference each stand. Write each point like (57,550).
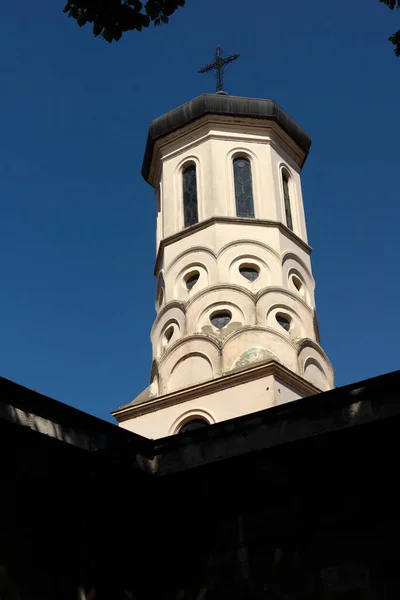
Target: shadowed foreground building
(296,501)
(278,486)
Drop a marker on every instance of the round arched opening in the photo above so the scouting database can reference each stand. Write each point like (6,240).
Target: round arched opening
(191,279)
(160,296)
(221,318)
(169,332)
(249,271)
(298,284)
(283,320)
(192,425)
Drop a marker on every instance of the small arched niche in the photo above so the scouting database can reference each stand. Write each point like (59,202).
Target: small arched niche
(190,280)
(169,334)
(287,193)
(286,321)
(250,271)
(248,266)
(160,292)
(243,186)
(297,284)
(189,193)
(315,374)
(190,370)
(220,318)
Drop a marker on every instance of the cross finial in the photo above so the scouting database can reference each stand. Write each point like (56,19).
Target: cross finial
(219,65)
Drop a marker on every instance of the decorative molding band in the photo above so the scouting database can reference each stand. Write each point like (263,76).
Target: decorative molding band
(231,221)
(233,287)
(223,382)
(192,337)
(254,297)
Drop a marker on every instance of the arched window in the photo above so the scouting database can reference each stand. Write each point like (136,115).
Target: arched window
(190,195)
(192,425)
(286,199)
(243,187)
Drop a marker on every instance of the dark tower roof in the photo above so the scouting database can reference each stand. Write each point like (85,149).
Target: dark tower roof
(221,104)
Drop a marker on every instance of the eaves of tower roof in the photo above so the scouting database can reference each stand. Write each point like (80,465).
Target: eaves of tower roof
(221,104)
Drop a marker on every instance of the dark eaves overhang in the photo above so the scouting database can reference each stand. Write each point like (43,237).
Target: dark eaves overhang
(221,104)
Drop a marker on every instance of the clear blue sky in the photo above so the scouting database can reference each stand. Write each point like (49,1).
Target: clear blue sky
(77,222)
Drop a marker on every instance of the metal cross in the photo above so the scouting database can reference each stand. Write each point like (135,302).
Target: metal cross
(219,65)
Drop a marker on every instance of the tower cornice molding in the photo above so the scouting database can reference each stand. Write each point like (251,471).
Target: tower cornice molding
(271,134)
(226,381)
(195,134)
(233,107)
(179,235)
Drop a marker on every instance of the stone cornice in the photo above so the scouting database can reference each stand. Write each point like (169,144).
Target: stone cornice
(227,381)
(231,221)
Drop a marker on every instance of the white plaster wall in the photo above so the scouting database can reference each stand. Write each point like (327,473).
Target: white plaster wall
(212,151)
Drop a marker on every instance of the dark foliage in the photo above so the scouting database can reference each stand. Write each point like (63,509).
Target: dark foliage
(395,38)
(111,18)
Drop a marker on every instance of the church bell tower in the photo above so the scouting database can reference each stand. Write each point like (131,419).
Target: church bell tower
(236,329)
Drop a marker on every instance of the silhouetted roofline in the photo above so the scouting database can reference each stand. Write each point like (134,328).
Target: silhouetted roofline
(221,104)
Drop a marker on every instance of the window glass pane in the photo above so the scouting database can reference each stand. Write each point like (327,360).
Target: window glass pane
(283,321)
(190,196)
(243,187)
(221,319)
(192,279)
(249,272)
(286,197)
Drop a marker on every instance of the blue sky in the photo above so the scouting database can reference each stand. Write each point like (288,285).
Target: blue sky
(77,226)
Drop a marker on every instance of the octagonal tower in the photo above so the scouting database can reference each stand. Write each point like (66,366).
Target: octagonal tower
(236,328)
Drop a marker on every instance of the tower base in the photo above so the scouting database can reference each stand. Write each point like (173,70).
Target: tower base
(238,393)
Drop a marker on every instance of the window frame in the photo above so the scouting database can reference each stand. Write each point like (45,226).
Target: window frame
(286,174)
(187,165)
(248,158)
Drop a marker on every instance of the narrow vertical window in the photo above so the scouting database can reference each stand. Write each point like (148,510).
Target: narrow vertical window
(286,199)
(190,196)
(243,187)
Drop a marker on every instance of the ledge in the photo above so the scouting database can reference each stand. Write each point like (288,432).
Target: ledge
(231,221)
(223,382)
